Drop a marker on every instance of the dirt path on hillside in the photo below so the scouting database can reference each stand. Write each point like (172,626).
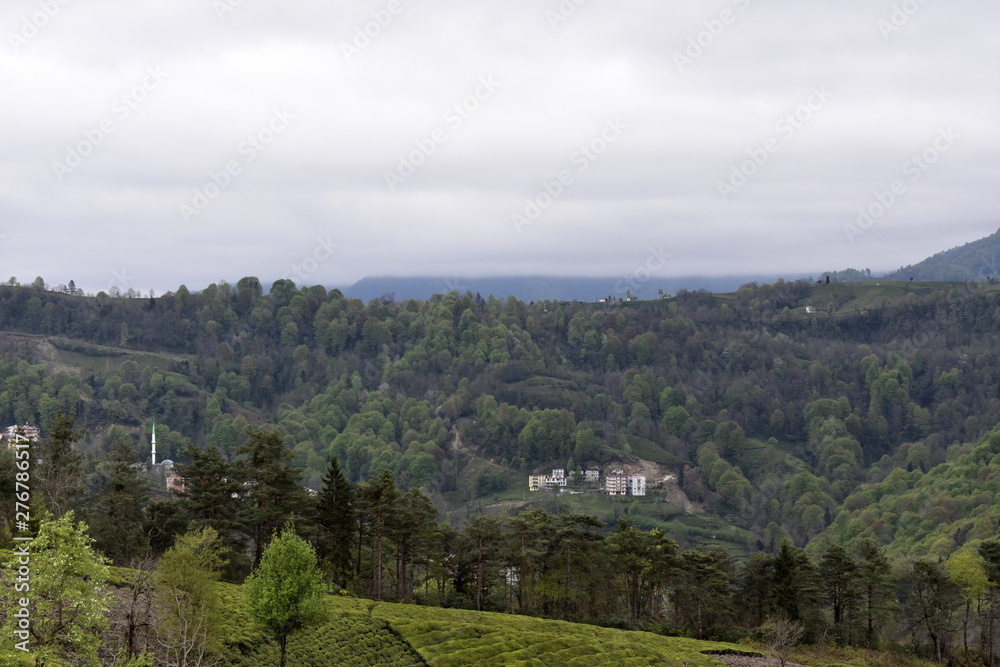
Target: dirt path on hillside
(750,661)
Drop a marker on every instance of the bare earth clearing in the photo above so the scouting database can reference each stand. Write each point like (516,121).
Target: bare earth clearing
(748,661)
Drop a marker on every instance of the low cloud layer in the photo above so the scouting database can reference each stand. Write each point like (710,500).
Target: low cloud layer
(152,144)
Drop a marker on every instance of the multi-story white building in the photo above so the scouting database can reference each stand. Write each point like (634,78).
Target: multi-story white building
(637,485)
(592,475)
(616,483)
(539,482)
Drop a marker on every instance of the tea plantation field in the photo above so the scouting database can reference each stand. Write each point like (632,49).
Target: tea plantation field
(361,633)
(454,637)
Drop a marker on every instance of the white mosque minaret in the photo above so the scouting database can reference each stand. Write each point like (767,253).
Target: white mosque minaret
(154,444)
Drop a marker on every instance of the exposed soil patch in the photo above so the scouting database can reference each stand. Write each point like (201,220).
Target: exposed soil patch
(752,661)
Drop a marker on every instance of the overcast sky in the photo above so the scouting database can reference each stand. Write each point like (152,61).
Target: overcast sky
(159,142)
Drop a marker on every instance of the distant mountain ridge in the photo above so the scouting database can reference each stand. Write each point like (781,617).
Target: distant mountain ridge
(540,288)
(977,261)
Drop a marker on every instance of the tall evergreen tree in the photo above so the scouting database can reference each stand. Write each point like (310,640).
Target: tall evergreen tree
(377,503)
(213,498)
(631,555)
(703,594)
(273,492)
(412,532)
(876,584)
(838,572)
(478,557)
(528,546)
(117,515)
(336,521)
(753,594)
(796,590)
(577,556)
(60,472)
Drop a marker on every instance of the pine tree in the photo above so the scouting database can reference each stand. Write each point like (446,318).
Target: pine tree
(118,513)
(703,594)
(755,583)
(876,584)
(783,592)
(838,571)
(528,547)
(60,472)
(377,502)
(796,589)
(273,493)
(411,530)
(212,498)
(336,519)
(631,551)
(479,555)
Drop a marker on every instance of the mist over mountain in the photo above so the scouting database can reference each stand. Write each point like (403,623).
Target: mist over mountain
(555,288)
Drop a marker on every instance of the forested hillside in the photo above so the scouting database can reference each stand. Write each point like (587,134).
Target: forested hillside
(843,432)
(783,412)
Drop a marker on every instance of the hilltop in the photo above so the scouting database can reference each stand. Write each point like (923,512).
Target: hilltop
(978,261)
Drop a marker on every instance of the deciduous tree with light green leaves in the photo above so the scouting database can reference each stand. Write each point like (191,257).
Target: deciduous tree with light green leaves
(966,569)
(66,600)
(188,599)
(286,592)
